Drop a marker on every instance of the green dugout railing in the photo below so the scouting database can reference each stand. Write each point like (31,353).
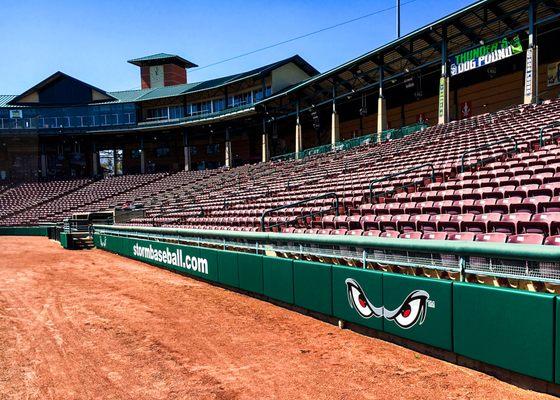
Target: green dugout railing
(508,328)
(354,142)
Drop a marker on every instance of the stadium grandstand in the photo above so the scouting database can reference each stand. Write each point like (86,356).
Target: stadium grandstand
(468,99)
(429,166)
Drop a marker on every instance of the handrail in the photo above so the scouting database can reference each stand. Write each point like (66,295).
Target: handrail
(487,146)
(194,207)
(483,249)
(391,176)
(553,124)
(298,203)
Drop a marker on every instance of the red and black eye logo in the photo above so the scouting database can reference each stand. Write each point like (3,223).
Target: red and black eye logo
(358,300)
(412,311)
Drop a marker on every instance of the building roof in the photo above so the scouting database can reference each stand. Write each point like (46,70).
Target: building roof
(477,23)
(189,88)
(5,99)
(162,58)
(53,78)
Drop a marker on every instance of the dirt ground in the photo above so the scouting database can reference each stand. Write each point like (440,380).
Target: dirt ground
(92,325)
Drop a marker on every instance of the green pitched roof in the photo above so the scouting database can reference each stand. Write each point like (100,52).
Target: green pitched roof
(159,58)
(5,99)
(187,88)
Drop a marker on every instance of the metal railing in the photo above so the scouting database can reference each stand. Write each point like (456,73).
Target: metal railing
(457,258)
(354,142)
(391,176)
(79,121)
(297,204)
(554,124)
(488,146)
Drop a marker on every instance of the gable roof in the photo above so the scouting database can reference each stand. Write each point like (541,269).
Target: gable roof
(51,79)
(162,58)
(189,88)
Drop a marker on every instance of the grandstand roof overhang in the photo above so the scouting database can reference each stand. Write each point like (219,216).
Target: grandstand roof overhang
(479,23)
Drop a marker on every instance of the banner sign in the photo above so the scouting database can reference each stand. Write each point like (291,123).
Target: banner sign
(442,100)
(529,77)
(16,114)
(485,55)
(466,109)
(553,74)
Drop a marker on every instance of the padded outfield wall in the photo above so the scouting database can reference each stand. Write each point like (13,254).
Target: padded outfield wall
(512,329)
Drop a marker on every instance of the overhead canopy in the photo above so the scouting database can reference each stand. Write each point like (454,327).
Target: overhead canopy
(479,23)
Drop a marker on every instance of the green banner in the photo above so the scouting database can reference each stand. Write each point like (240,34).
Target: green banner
(485,55)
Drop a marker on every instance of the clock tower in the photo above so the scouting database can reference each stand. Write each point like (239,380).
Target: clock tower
(159,70)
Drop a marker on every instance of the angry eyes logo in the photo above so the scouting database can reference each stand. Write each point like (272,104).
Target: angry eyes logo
(412,310)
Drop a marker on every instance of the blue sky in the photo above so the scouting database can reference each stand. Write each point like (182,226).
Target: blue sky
(91,40)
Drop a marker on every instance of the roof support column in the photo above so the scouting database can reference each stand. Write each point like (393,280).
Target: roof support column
(335,126)
(381,104)
(142,156)
(530,94)
(228,150)
(443,100)
(95,161)
(186,151)
(43,161)
(265,148)
(298,133)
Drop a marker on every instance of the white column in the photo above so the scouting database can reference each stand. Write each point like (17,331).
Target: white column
(298,139)
(265,149)
(228,154)
(335,126)
(381,116)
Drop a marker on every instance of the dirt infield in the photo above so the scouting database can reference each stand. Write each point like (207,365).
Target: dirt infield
(92,325)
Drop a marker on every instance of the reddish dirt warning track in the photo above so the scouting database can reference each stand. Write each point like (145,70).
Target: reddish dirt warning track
(92,325)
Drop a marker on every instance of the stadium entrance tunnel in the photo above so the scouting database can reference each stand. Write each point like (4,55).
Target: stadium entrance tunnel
(379,284)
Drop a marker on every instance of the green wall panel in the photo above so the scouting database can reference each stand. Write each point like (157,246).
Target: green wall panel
(313,286)
(250,272)
(278,279)
(557,341)
(212,257)
(228,270)
(419,309)
(344,296)
(509,328)
(23,231)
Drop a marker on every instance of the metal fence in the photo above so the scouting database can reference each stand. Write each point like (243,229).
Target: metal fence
(451,259)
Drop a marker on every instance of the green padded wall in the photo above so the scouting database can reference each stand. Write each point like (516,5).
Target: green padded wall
(228,270)
(250,272)
(436,328)
(278,279)
(23,231)
(313,286)
(370,281)
(509,328)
